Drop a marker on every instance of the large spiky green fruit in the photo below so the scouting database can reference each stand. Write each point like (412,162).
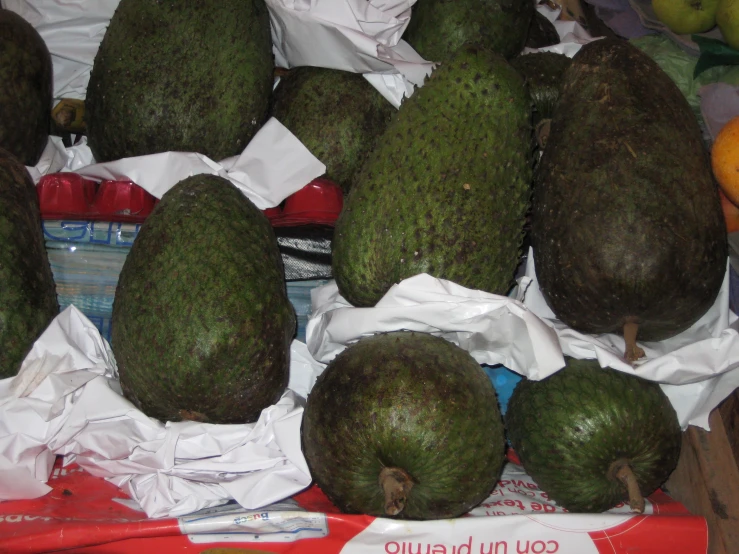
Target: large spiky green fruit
(404,425)
(446,189)
(202,324)
(171,75)
(592,438)
(337,115)
(439,27)
(626,222)
(28,300)
(25,88)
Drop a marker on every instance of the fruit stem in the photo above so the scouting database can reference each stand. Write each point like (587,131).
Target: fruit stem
(622,471)
(396,484)
(632,351)
(542,132)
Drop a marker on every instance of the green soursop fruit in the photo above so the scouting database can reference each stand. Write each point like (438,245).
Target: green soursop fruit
(202,324)
(28,300)
(446,189)
(439,27)
(25,89)
(626,223)
(404,425)
(337,115)
(592,437)
(180,76)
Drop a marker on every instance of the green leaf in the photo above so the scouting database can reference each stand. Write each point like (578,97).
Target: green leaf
(713,52)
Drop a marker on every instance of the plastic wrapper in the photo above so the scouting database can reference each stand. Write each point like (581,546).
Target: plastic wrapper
(306,251)
(517,518)
(620,17)
(719,102)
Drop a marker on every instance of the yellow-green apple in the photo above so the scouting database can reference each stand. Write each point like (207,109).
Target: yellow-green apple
(727,18)
(686,17)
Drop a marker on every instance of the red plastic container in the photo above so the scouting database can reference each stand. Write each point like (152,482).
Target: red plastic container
(62,195)
(273,213)
(318,203)
(122,201)
(71,196)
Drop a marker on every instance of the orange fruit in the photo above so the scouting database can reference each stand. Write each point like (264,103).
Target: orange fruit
(731,213)
(725,159)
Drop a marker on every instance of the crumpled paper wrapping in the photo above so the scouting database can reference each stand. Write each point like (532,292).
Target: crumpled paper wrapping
(353,35)
(493,329)
(273,165)
(572,35)
(66,400)
(697,368)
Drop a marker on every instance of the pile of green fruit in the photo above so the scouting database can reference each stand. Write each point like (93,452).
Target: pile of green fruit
(202,329)
(28,300)
(621,210)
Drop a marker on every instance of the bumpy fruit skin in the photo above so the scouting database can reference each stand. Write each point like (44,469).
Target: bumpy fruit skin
(626,221)
(407,400)
(570,427)
(446,189)
(438,28)
(337,115)
(202,324)
(190,76)
(25,89)
(28,300)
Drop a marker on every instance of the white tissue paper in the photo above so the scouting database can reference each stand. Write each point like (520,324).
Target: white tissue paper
(493,329)
(352,35)
(66,401)
(572,35)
